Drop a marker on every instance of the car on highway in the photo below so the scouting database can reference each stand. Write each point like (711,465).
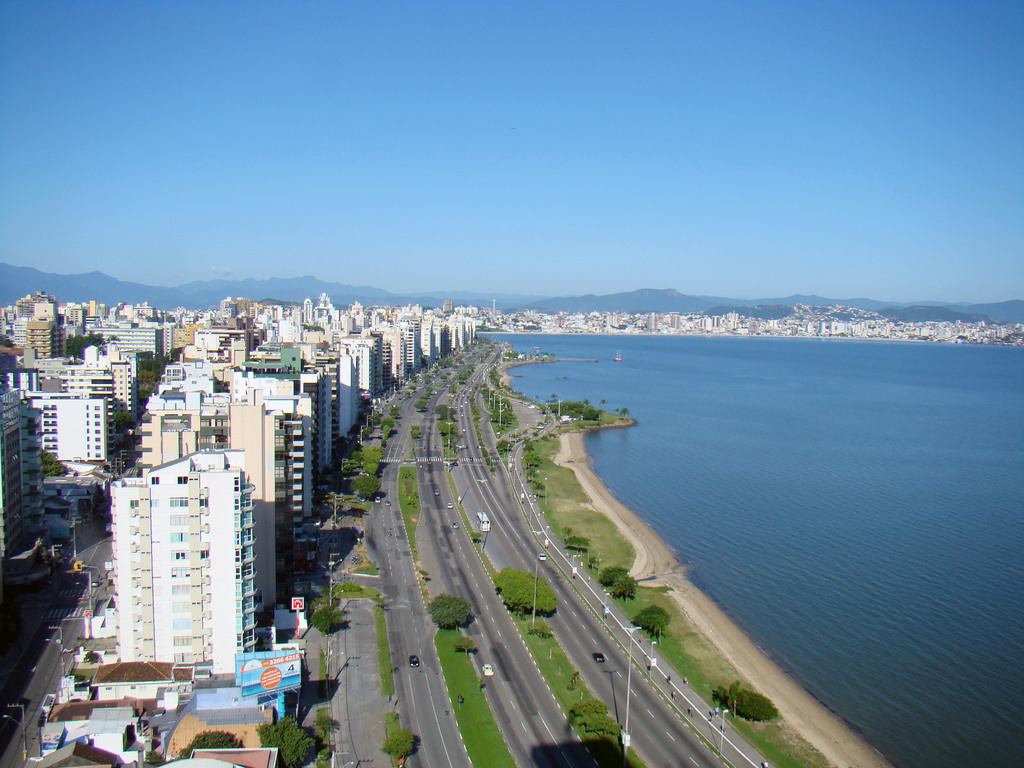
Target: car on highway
(414,660)
(450,505)
(437,491)
(455,525)
(488,670)
(542,556)
(598,657)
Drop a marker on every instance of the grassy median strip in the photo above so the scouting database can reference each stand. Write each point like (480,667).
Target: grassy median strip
(483,740)
(569,689)
(387,675)
(409,502)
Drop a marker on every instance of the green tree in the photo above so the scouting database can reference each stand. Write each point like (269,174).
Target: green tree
(325,724)
(326,619)
(74,346)
(610,574)
(464,644)
(292,742)
(399,744)
(154,758)
(517,589)
(365,485)
(210,740)
(745,703)
(449,611)
(653,619)
(592,716)
(123,421)
(51,466)
(372,455)
(624,588)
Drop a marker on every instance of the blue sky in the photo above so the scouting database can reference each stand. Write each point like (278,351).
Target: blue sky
(735,149)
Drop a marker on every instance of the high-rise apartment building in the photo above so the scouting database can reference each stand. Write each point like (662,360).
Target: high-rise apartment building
(185,561)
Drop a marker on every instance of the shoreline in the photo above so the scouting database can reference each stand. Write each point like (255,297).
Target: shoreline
(657,565)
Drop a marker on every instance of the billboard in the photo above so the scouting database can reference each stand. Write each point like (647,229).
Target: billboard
(268,672)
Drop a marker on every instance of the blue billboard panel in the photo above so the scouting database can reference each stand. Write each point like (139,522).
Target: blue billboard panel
(268,672)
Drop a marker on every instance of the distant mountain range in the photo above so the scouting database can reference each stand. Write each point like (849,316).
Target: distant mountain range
(16,282)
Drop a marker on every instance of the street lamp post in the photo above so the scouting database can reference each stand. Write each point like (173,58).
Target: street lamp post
(629,688)
(24,734)
(536,566)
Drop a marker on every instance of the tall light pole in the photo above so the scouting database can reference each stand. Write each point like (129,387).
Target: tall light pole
(536,566)
(629,688)
(24,734)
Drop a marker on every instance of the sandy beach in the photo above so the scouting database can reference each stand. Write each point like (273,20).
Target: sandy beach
(656,562)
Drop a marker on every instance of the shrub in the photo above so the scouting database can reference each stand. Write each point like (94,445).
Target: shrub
(745,703)
(211,740)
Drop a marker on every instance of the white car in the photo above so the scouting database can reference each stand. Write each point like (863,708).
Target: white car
(488,670)
(542,556)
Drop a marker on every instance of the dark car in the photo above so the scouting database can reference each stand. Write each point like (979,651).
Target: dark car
(599,657)
(414,660)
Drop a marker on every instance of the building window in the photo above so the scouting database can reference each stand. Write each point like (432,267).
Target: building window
(179,538)
(182,640)
(154,481)
(183,480)
(179,624)
(179,519)
(179,573)
(181,555)
(180,589)
(178,502)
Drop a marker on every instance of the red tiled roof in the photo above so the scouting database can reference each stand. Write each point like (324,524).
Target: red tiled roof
(134,672)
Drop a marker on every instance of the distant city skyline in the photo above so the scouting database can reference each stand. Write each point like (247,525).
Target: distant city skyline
(729,149)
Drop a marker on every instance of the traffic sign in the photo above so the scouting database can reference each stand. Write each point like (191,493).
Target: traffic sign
(87,614)
(298,603)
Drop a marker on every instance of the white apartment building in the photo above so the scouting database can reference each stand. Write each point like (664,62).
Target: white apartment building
(184,561)
(72,427)
(132,337)
(113,376)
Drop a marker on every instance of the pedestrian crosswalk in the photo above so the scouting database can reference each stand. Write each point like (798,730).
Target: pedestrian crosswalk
(64,594)
(428,459)
(57,614)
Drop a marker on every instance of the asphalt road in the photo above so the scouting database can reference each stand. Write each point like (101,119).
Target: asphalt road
(533,725)
(659,735)
(421,695)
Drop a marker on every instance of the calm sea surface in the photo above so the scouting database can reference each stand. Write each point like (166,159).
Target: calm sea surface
(857,507)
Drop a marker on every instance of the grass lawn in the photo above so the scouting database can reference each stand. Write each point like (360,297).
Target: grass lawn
(567,506)
(483,740)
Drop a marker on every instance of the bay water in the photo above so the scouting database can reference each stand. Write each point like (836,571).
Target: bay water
(856,507)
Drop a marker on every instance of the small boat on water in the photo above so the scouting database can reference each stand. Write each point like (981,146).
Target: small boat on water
(618,356)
